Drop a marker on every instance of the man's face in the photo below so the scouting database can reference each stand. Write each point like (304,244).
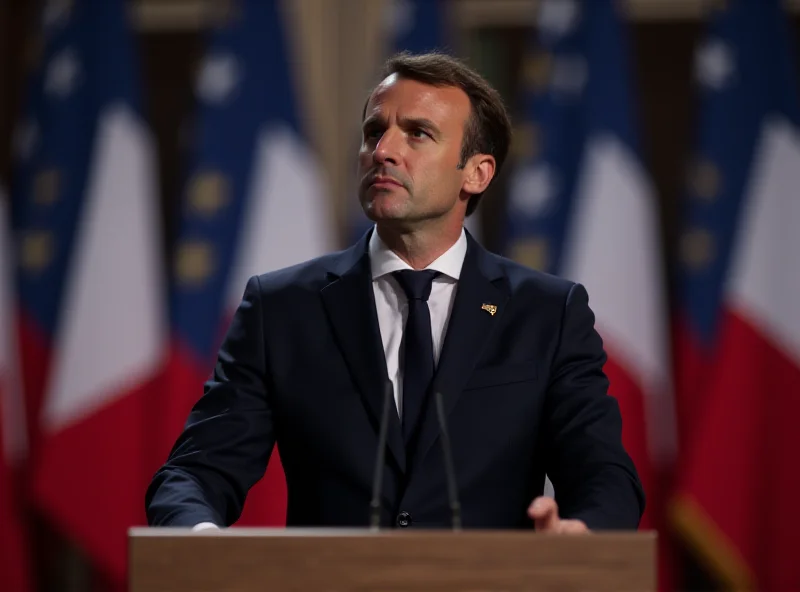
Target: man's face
(410,151)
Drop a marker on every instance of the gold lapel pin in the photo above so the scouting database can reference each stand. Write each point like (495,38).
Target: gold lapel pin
(490,308)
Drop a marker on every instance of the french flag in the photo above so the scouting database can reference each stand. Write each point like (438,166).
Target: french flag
(90,279)
(254,201)
(739,331)
(581,206)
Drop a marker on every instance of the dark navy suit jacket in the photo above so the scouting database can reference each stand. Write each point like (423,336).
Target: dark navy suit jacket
(302,365)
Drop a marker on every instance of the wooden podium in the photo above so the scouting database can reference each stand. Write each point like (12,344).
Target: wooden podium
(310,560)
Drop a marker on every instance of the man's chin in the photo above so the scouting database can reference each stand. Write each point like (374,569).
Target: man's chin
(381,209)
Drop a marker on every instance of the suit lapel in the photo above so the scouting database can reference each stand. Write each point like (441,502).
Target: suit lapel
(350,304)
(468,330)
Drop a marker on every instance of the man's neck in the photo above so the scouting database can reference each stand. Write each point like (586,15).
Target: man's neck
(419,248)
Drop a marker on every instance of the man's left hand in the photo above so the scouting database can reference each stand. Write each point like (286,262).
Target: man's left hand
(544,512)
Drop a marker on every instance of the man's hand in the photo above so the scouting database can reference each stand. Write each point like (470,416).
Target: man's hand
(544,512)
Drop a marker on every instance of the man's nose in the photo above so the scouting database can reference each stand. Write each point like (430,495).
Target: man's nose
(388,147)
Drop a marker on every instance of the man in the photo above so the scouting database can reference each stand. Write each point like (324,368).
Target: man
(418,306)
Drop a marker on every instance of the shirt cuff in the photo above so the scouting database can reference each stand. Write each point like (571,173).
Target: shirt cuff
(205,526)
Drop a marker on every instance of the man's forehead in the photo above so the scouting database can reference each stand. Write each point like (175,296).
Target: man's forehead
(414,95)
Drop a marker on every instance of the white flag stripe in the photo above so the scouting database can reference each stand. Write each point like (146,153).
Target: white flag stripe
(12,410)
(764,281)
(612,247)
(287,214)
(112,329)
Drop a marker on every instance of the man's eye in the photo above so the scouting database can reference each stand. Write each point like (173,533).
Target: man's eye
(419,133)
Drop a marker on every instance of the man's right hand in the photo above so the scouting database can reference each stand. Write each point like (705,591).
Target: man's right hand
(544,512)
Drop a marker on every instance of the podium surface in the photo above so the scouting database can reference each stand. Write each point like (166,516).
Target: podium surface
(249,559)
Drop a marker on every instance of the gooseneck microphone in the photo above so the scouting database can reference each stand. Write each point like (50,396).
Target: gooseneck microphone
(449,466)
(380,459)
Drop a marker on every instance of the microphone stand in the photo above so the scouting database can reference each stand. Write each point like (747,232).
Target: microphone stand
(380,459)
(449,466)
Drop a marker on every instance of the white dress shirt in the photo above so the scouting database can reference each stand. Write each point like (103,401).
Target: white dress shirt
(392,305)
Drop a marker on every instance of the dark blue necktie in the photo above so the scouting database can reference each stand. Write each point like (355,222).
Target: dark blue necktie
(418,364)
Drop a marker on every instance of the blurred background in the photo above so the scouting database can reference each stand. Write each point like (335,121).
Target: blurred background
(156,153)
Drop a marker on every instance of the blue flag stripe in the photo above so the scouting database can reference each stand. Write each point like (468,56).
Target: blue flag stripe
(245,86)
(745,73)
(77,77)
(578,87)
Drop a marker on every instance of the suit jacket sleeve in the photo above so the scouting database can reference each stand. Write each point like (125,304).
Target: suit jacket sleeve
(594,478)
(228,437)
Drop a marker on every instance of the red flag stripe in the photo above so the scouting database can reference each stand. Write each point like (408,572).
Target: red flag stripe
(14,561)
(94,503)
(737,505)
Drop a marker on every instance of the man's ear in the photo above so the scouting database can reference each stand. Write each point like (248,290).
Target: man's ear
(480,170)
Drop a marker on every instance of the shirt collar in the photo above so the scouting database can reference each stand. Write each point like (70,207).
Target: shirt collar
(384,261)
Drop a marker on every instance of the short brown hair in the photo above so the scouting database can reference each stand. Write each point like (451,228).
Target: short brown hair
(488,129)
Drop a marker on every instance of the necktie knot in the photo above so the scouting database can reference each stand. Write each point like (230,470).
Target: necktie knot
(416,284)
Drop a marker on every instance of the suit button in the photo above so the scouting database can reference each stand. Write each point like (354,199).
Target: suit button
(404,519)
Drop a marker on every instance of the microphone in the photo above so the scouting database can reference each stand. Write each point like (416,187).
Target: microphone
(380,458)
(449,467)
